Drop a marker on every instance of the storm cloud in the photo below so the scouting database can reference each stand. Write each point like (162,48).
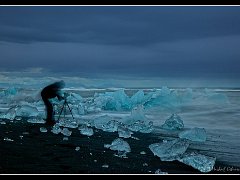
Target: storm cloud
(137,41)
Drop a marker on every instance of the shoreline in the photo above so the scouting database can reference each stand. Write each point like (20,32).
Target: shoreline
(34,152)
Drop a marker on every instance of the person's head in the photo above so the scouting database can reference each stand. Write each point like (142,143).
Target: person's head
(60,84)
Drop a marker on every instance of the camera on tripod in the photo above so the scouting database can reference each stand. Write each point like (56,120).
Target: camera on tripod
(65,106)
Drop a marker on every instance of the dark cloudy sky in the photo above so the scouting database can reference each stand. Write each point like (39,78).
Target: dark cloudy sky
(138,41)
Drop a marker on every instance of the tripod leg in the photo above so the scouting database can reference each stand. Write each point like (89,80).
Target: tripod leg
(61,112)
(70,110)
(64,110)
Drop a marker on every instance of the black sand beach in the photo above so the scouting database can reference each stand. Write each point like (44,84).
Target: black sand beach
(34,152)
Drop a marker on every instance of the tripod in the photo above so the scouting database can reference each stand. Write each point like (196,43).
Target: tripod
(65,105)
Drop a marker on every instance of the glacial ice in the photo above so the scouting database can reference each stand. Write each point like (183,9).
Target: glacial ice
(74,98)
(100,122)
(110,126)
(159,171)
(10,114)
(26,111)
(20,110)
(66,132)
(11,91)
(56,129)
(169,150)
(141,126)
(194,134)
(124,132)
(137,114)
(117,100)
(173,123)
(8,139)
(119,145)
(138,98)
(137,121)
(43,129)
(77,148)
(198,161)
(36,119)
(214,97)
(68,123)
(84,130)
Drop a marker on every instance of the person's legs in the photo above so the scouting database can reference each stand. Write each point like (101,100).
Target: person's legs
(50,118)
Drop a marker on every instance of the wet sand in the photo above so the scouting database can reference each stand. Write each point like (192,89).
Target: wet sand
(34,152)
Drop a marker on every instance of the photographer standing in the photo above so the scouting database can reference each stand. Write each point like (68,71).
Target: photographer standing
(49,92)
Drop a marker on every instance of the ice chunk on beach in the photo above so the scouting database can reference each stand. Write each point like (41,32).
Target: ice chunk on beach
(78,110)
(111,126)
(124,132)
(43,129)
(195,134)
(56,129)
(10,114)
(169,150)
(77,148)
(36,119)
(119,145)
(173,123)
(158,171)
(137,113)
(141,126)
(99,122)
(66,132)
(198,161)
(84,130)
(68,123)
(74,98)
(20,110)
(8,139)
(26,111)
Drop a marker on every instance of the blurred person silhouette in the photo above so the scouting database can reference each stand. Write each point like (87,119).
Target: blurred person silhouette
(49,92)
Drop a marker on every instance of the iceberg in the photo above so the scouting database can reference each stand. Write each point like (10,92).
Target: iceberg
(111,126)
(198,161)
(20,110)
(26,111)
(124,132)
(37,119)
(102,121)
(169,150)
(137,121)
(137,98)
(66,132)
(77,148)
(119,145)
(56,129)
(10,91)
(214,97)
(84,130)
(74,98)
(68,123)
(43,129)
(117,100)
(195,134)
(141,126)
(10,114)
(173,123)
(158,171)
